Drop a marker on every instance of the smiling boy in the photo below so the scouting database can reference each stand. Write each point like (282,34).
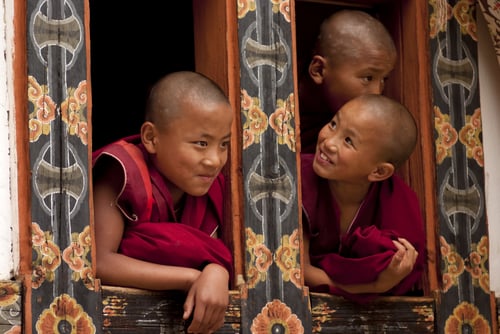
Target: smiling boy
(363,229)
(158,199)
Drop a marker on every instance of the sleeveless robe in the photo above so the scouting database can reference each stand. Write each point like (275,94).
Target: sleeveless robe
(152,232)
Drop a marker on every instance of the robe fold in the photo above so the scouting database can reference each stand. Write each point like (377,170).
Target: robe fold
(389,210)
(152,232)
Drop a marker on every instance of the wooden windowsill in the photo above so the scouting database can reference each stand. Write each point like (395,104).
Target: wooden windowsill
(127,310)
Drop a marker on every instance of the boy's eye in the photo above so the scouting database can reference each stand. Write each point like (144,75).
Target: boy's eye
(333,124)
(201,143)
(225,144)
(348,140)
(368,78)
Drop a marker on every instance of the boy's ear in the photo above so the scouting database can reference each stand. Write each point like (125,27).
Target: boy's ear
(381,172)
(316,69)
(148,137)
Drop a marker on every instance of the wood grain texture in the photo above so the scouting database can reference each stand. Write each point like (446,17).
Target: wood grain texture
(128,310)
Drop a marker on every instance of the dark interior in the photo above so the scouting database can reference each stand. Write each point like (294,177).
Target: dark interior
(132,46)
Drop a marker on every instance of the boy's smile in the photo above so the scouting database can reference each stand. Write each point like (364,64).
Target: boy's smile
(349,146)
(192,150)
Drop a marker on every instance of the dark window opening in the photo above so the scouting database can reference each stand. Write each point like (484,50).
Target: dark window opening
(132,46)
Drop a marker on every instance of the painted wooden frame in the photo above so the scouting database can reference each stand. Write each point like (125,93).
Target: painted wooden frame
(52,70)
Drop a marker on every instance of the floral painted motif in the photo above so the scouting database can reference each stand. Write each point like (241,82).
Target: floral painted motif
(283,7)
(260,258)
(280,122)
(464,12)
(279,6)
(276,317)
(439,16)
(475,264)
(10,307)
(447,135)
(64,315)
(286,258)
(257,123)
(9,293)
(466,319)
(44,110)
(453,264)
(73,111)
(245,6)
(470,136)
(77,256)
(256,120)
(46,258)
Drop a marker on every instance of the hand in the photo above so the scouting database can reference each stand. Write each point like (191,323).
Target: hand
(401,265)
(209,297)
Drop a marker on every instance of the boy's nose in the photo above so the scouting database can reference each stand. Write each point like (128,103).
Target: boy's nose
(331,144)
(214,159)
(377,87)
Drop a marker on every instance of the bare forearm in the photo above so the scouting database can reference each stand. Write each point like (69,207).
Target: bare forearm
(118,269)
(314,276)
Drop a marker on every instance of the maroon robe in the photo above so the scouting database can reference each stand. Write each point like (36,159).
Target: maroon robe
(152,232)
(389,210)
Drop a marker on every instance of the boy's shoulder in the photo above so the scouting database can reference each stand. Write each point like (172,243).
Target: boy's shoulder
(126,145)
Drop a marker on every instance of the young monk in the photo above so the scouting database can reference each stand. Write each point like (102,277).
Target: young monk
(354,55)
(158,199)
(363,229)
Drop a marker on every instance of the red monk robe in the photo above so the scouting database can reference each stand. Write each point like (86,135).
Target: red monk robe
(390,210)
(152,232)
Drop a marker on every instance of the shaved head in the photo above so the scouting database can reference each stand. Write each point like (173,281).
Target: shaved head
(174,90)
(399,126)
(349,34)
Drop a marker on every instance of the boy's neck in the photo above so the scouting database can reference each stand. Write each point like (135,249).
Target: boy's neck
(348,194)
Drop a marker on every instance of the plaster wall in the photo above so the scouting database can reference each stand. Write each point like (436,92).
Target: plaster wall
(8,261)
(489,83)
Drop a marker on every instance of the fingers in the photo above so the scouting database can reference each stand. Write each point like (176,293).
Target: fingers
(206,320)
(405,257)
(406,244)
(399,245)
(188,306)
(400,253)
(411,252)
(403,245)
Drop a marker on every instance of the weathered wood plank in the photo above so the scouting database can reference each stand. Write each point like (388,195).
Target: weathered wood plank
(387,315)
(128,310)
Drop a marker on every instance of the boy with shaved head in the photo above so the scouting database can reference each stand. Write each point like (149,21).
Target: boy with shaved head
(353,55)
(363,229)
(158,199)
